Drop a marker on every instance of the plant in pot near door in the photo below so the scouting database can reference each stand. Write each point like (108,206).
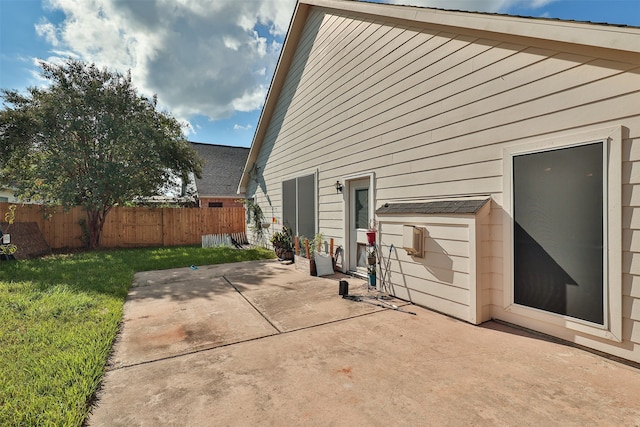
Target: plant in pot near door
(371,233)
(371,273)
(371,256)
(305,261)
(282,242)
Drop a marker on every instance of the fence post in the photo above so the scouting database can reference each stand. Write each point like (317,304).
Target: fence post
(162,225)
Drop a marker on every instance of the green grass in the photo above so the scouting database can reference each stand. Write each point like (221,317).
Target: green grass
(59,316)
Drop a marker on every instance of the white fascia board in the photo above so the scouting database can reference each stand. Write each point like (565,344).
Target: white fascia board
(584,33)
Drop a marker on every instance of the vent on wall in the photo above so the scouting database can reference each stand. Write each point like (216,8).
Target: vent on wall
(412,238)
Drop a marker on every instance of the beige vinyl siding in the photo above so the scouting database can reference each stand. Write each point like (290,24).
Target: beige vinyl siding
(430,111)
(447,277)
(436,280)
(492,253)
(631,237)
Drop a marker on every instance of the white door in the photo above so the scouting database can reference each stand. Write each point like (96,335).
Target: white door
(359,216)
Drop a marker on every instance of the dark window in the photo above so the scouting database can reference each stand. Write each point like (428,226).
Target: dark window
(299,206)
(362,208)
(558,212)
(289,205)
(215,204)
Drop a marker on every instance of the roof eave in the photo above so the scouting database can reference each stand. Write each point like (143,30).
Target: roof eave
(584,33)
(294,32)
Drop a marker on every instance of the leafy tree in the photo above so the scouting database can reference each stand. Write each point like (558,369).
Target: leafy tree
(89,139)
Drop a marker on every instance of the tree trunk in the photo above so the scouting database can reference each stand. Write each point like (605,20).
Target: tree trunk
(95,225)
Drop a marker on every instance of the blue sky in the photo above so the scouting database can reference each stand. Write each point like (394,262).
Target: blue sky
(209,61)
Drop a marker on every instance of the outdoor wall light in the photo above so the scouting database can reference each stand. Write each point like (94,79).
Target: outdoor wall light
(338,187)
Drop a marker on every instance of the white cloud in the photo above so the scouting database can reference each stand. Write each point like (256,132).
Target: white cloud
(539,3)
(187,128)
(250,101)
(231,43)
(240,127)
(200,56)
(48,31)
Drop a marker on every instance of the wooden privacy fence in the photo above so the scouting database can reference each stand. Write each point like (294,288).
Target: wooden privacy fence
(126,227)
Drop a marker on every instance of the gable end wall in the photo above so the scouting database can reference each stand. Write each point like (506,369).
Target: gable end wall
(430,110)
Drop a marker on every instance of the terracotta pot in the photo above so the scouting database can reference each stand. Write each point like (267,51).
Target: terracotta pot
(283,253)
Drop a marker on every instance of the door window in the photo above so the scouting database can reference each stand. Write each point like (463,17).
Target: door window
(362,207)
(359,215)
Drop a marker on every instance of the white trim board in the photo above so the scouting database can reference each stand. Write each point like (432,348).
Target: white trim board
(533,318)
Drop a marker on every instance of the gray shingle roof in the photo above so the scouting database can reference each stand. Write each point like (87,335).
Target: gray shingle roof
(470,206)
(222,169)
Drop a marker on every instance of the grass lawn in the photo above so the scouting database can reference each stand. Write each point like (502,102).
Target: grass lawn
(59,316)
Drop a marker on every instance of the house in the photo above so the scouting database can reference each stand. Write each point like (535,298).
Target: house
(6,195)
(220,175)
(498,155)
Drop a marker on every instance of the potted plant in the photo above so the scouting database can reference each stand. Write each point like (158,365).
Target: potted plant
(371,233)
(371,270)
(306,262)
(282,242)
(371,257)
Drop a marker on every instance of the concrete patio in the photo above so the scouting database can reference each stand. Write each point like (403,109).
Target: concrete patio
(259,343)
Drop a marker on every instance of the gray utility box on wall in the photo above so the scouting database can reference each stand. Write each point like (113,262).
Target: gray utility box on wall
(412,238)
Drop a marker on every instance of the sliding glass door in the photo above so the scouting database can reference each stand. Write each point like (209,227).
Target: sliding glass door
(559,212)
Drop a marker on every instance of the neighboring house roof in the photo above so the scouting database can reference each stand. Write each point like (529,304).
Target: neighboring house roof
(222,169)
(618,40)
